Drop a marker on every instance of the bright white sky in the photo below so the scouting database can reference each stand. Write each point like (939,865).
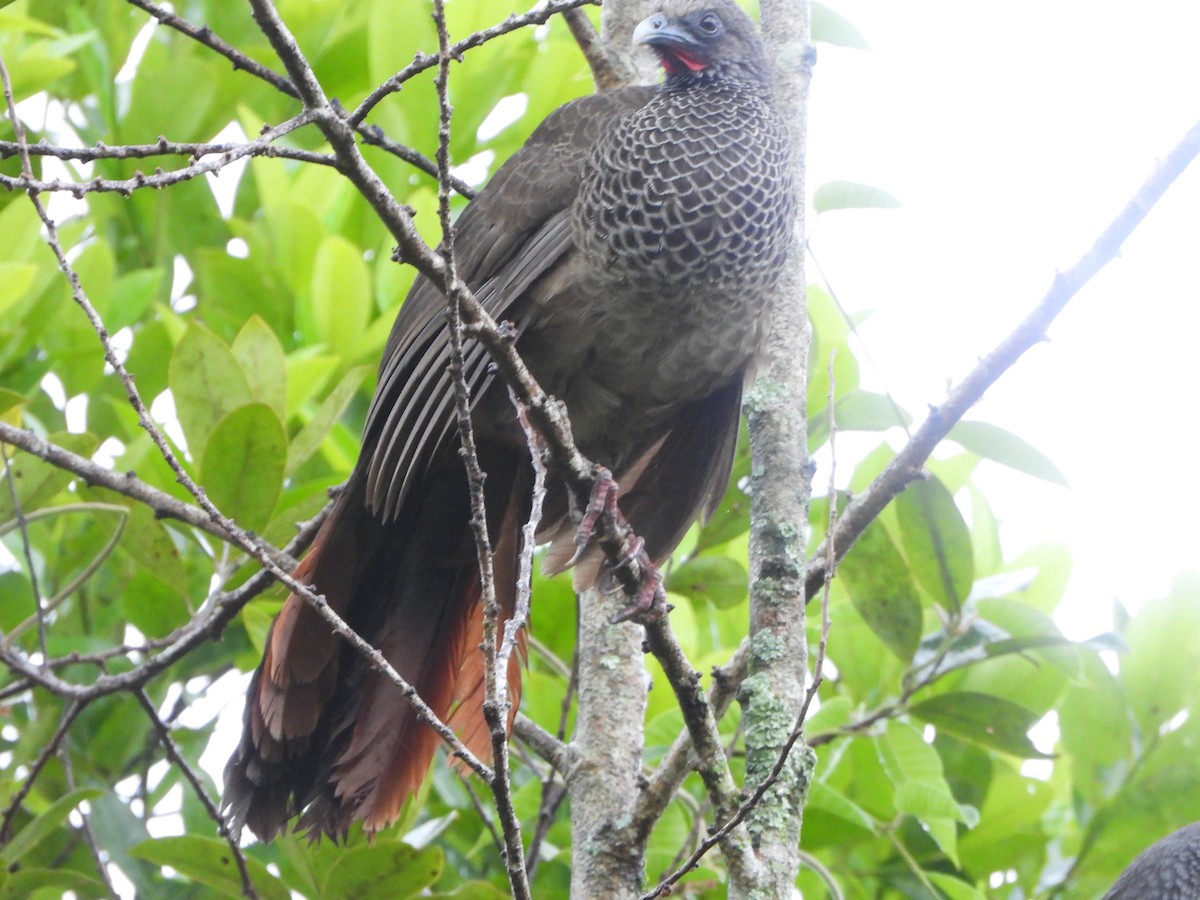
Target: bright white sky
(1012,133)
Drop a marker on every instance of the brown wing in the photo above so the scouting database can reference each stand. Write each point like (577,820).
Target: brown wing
(512,234)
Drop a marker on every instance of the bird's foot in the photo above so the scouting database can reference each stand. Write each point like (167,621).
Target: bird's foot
(603,501)
(650,602)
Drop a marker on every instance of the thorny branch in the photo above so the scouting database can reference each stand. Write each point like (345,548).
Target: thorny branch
(260,146)
(371,135)
(604,73)
(423,61)
(496,700)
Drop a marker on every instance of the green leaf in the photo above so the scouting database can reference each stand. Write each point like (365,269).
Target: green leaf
(261,358)
(833,28)
(1162,668)
(26,883)
(257,617)
(720,580)
(43,825)
(861,410)
(882,591)
(38,482)
(831,334)
(243,462)
(906,756)
(341,296)
(1006,448)
(919,784)
(1095,726)
(387,870)
(936,542)
(206,382)
(209,862)
(833,713)
(963,647)
(12,404)
(474,890)
(851,195)
(832,802)
(132,294)
(327,415)
(308,371)
(984,719)
(15,279)
(927,802)
(953,888)
(149,543)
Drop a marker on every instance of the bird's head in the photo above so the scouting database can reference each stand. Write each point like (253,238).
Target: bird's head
(696,40)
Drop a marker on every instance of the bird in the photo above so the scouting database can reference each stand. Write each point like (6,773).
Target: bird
(1166,870)
(632,243)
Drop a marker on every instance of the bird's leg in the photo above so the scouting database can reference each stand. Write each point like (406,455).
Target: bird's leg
(649,600)
(603,501)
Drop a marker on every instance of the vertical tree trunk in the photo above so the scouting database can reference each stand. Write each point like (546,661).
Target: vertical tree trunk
(606,754)
(780,486)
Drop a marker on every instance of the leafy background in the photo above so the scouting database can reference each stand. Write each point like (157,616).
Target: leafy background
(255,327)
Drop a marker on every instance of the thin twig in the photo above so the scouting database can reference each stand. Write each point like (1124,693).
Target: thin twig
(161,503)
(162,147)
(52,603)
(260,146)
(423,61)
(496,700)
(85,826)
(524,586)
(193,778)
(204,35)
(39,609)
(74,708)
(482,812)
(663,784)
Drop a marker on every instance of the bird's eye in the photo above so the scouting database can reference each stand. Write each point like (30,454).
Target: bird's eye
(710,23)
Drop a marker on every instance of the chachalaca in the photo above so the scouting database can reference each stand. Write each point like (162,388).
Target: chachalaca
(633,243)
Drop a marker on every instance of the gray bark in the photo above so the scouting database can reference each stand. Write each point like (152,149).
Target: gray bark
(780,487)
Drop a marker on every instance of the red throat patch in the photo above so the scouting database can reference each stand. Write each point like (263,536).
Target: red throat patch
(675,62)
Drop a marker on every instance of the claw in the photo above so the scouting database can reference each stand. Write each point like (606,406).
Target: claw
(602,502)
(650,603)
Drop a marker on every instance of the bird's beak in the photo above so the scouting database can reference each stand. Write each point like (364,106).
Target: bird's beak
(659,31)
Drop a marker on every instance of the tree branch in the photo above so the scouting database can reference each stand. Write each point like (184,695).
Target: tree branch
(260,146)
(127,484)
(423,61)
(495,670)
(604,73)
(193,778)
(907,464)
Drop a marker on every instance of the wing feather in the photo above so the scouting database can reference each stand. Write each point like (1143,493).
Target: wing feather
(513,234)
